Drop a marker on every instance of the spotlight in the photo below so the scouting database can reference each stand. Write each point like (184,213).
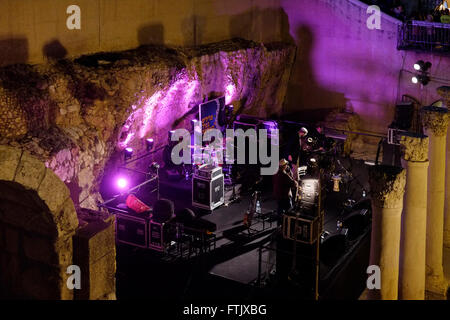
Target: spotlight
(423,79)
(122,183)
(149,143)
(128,153)
(422,66)
(417,66)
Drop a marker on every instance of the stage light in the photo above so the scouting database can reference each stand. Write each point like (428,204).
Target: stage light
(422,66)
(128,153)
(149,143)
(312,160)
(122,183)
(422,79)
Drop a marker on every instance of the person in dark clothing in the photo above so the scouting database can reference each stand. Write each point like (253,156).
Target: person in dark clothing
(284,186)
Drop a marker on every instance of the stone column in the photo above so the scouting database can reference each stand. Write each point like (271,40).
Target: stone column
(414,218)
(435,123)
(387,186)
(445,93)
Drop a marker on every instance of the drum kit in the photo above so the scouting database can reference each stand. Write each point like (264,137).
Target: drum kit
(212,154)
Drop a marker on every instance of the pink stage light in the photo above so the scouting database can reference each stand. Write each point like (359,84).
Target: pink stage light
(122,183)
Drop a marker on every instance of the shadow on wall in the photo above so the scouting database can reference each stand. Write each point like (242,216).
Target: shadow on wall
(258,22)
(260,25)
(54,50)
(13,51)
(151,34)
(192,30)
(305,97)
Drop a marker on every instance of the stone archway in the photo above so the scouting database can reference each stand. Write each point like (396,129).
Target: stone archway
(37,223)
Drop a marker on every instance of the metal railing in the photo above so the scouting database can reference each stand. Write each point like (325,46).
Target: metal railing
(424,36)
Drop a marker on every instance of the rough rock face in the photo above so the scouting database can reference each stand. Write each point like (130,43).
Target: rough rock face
(75,115)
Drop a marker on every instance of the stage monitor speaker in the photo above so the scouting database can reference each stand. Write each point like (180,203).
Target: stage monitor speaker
(208,193)
(132,230)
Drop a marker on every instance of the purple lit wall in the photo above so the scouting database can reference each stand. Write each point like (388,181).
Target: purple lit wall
(341,63)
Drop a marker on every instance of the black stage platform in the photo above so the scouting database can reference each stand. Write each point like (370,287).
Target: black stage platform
(233,268)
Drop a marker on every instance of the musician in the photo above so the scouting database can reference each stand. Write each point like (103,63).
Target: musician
(299,149)
(283,187)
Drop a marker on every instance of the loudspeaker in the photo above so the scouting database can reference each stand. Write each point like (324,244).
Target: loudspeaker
(132,230)
(404,115)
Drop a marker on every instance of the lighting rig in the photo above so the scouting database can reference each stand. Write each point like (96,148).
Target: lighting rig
(422,76)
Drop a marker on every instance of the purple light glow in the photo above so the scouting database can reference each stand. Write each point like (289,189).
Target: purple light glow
(150,105)
(122,183)
(230,91)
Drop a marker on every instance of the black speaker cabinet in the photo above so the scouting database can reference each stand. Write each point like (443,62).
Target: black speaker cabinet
(208,193)
(132,230)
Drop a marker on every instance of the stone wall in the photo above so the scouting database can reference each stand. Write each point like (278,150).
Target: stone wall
(37,222)
(342,64)
(32,31)
(75,115)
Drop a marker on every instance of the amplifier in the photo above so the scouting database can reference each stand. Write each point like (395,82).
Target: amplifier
(156,236)
(132,229)
(310,195)
(207,193)
(302,228)
(208,171)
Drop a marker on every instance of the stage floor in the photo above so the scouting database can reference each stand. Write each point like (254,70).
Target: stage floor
(234,263)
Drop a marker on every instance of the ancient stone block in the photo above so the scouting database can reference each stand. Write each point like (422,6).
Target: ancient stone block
(66,219)
(94,252)
(102,276)
(53,191)
(9,159)
(96,239)
(30,172)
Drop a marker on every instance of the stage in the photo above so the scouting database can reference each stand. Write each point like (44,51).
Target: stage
(243,259)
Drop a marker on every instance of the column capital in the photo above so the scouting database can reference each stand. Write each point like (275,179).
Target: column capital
(444,92)
(435,119)
(387,185)
(415,147)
